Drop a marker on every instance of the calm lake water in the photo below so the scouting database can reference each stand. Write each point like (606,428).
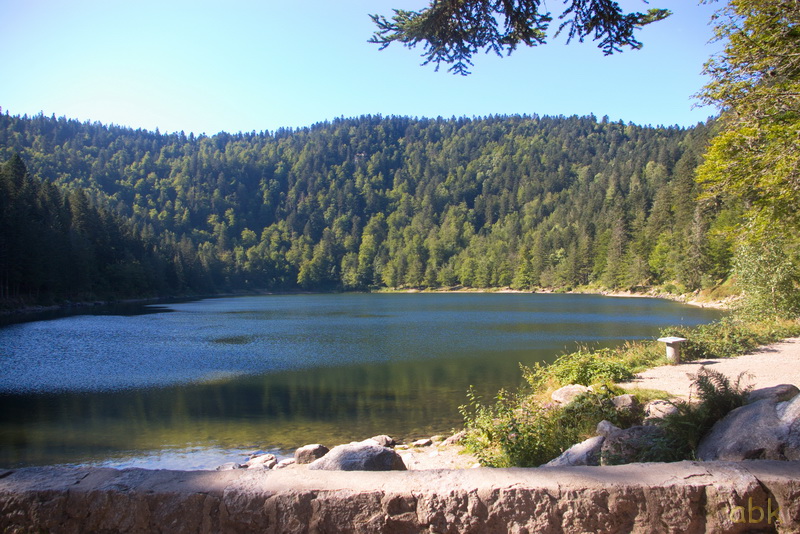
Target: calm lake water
(196,384)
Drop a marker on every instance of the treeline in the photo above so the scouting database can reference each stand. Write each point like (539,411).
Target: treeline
(54,244)
(520,201)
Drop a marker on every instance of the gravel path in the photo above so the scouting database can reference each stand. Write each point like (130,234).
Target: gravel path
(772,365)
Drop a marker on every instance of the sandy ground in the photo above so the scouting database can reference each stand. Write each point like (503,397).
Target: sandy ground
(772,365)
(438,457)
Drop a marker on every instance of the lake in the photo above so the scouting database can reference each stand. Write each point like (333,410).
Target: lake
(192,385)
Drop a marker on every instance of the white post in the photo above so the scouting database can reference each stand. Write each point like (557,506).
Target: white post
(673,348)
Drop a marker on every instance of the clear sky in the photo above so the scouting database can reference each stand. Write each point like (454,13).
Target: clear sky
(243,65)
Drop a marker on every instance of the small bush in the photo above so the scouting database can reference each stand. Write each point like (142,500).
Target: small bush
(586,410)
(583,367)
(523,432)
(507,434)
(587,368)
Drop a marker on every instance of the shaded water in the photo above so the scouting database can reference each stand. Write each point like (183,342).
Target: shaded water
(196,384)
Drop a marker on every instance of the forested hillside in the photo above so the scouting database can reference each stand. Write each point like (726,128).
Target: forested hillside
(520,201)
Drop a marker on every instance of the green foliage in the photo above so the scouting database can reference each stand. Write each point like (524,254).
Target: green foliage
(56,244)
(594,366)
(524,432)
(768,278)
(452,31)
(585,411)
(755,81)
(716,397)
(585,367)
(753,163)
(503,435)
(367,202)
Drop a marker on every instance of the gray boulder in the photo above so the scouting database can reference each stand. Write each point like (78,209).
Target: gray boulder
(455,438)
(658,409)
(360,457)
(308,453)
(767,429)
(626,402)
(606,428)
(261,461)
(584,453)
(567,394)
(384,441)
(634,444)
(779,393)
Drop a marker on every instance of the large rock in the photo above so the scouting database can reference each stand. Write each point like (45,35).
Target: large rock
(567,394)
(634,444)
(308,453)
(779,393)
(658,409)
(359,457)
(384,441)
(458,437)
(584,453)
(767,429)
(626,402)
(606,428)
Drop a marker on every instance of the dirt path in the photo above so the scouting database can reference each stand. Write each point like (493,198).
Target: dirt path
(772,365)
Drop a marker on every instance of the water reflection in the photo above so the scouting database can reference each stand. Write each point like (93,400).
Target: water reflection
(231,375)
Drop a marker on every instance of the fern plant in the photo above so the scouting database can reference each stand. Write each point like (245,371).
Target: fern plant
(717,396)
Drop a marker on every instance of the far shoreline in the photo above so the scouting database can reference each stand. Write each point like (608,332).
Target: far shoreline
(688,299)
(27,313)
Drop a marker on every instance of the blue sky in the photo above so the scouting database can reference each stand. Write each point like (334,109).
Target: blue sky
(242,65)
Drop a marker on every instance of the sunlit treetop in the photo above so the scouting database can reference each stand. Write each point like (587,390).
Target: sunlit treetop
(452,31)
(755,81)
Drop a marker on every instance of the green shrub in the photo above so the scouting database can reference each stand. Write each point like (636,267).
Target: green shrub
(768,278)
(523,432)
(509,434)
(586,410)
(583,367)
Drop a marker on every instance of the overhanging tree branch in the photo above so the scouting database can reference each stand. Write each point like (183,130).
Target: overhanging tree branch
(452,31)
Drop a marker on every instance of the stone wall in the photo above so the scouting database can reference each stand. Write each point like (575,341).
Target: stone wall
(680,497)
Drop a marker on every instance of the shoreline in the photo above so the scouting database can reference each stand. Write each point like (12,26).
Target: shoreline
(760,368)
(689,299)
(8,314)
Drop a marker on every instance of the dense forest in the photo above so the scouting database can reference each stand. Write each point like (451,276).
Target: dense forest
(95,211)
